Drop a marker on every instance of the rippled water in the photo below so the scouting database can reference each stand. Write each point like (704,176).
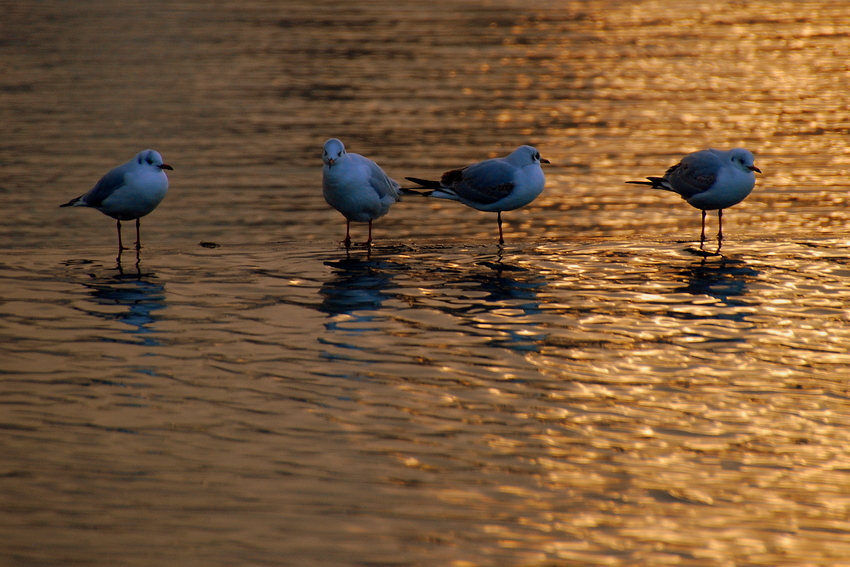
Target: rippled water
(595,392)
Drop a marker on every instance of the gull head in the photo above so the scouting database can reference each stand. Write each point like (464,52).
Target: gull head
(333,151)
(743,159)
(525,155)
(151,158)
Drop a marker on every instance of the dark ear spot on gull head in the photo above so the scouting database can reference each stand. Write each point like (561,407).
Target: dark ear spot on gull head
(540,159)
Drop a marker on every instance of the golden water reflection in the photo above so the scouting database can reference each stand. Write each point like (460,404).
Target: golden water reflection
(583,403)
(592,393)
(245,94)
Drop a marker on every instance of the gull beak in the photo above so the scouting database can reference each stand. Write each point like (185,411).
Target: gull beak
(330,162)
(544,160)
(754,168)
(166,166)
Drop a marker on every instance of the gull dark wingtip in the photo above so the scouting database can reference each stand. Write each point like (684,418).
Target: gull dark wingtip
(426,183)
(416,191)
(71,203)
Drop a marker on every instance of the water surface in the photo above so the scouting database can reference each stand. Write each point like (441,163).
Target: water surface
(595,392)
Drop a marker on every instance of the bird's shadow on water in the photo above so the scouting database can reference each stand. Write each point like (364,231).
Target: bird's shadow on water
(725,279)
(361,282)
(358,285)
(139,295)
(504,281)
(511,286)
(353,298)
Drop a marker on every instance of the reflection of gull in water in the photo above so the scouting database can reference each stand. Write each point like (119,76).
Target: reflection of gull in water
(508,282)
(352,297)
(357,285)
(490,299)
(139,296)
(508,287)
(725,281)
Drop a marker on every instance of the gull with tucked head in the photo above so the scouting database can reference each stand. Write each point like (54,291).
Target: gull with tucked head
(710,180)
(356,186)
(493,185)
(128,192)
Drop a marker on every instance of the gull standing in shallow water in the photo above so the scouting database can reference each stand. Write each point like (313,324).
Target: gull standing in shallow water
(129,191)
(493,185)
(710,180)
(356,186)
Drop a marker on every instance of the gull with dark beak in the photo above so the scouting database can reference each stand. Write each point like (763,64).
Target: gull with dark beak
(128,192)
(493,185)
(356,186)
(710,180)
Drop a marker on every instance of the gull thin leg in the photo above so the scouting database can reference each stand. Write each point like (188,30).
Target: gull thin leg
(499,220)
(719,230)
(347,240)
(120,243)
(138,237)
(702,233)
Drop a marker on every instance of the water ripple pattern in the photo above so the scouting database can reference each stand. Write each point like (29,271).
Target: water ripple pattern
(594,403)
(596,392)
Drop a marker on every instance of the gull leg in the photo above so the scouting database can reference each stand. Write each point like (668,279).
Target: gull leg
(719,230)
(369,241)
(120,243)
(138,238)
(347,240)
(702,233)
(499,220)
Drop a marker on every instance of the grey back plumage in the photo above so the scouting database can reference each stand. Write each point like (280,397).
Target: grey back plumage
(483,182)
(105,186)
(695,174)
(383,184)
(116,178)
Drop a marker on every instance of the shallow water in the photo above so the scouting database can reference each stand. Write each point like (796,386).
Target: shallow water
(596,391)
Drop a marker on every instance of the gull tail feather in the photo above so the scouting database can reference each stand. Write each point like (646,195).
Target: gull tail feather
(415,191)
(427,184)
(654,182)
(75,202)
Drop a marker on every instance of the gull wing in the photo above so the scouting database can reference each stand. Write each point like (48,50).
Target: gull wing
(383,184)
(106,186)
(695,174)
(483,182)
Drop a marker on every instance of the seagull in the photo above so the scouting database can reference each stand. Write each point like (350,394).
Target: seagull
(710,180)
(493,185)
(356,186)
(129,191)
